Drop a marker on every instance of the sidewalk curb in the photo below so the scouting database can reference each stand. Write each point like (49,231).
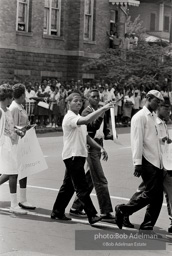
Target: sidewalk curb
(48,129)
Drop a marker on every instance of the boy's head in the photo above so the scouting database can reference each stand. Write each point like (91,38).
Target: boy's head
(164,109)
(74,101)
(94,98)
(6,93)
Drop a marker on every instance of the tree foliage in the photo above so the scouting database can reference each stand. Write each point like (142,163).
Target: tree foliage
(145,65)
(135,26)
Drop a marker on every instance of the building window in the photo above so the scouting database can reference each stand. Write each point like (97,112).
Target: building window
(52,17)
(22,23)
(114,20)
(152,21)
(88,19)
(166,24)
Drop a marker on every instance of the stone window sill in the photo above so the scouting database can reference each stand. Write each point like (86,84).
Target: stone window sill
(52,37)
(89,42)
(23,33)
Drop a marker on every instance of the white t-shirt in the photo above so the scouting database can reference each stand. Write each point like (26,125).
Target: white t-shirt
(30,95)
(74,137)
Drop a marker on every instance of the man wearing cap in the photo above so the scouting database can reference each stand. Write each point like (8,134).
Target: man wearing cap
(163,114)
(147,161)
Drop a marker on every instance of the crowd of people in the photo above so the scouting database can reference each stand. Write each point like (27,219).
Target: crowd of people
(128,42)
(85,123)
(46,102)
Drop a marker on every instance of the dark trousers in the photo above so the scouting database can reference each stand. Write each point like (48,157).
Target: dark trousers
(77,203)
(151,196)
(74,180)
(95,177)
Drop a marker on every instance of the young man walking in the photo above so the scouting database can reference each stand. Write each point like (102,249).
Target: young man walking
(95,175)
(147,161)
(163,113)
(74,155)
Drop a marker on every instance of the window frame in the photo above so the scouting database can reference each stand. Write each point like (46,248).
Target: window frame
(165,30)
(155,16)
(26,16)
(49,19)
(91,15)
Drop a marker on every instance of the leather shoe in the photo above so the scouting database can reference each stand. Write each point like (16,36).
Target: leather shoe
(119,217)
(108,218)
(108,137)
(94,219)
(27,206)
(127,223)
(170,229)
(77,213)
(56,216)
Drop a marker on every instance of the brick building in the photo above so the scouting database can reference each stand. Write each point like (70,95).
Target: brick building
(53,38)
(156,17)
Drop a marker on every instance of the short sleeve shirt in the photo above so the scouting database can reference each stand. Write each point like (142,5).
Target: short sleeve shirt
(74,137)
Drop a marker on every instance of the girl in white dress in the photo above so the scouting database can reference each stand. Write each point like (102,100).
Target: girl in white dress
(20,118)
(8,150)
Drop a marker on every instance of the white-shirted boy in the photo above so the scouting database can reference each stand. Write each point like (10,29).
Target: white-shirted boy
(74,155)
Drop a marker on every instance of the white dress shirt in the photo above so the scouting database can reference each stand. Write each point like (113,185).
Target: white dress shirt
(162,132)
(145,139)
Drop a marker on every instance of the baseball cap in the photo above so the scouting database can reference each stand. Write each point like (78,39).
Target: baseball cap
(156,93)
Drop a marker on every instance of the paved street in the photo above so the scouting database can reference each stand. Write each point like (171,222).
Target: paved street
(36,234)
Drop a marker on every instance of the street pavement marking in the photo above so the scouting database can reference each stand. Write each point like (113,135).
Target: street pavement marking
(92,194)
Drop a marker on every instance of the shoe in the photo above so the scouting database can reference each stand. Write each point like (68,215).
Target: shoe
(109,137)
(17,210)
(94,219)
(127,223)
(56,216)
(170,229)
(119,217)
(108,218)
(77,213)
(145,228)
(27,206)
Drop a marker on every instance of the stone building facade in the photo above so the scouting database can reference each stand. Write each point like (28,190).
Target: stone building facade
(53,38)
